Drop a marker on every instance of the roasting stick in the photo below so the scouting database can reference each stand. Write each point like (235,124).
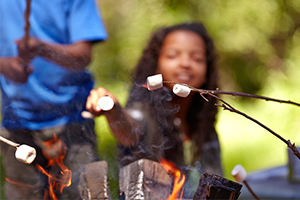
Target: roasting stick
(105,103)
(27,23)
(10,143)
(24,153)
(239,174)
(156,81)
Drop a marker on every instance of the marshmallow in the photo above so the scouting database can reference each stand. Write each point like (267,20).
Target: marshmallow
(154,82)
(25,154)
(181,90)
(106,103)
(239,173)
(87,115)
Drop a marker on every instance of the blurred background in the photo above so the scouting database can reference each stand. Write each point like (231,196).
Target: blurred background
(258,46)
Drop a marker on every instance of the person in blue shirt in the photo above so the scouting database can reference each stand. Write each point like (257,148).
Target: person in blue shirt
(44,87)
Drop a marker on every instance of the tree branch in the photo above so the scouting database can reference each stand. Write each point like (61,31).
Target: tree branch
(227,106)
(237,94)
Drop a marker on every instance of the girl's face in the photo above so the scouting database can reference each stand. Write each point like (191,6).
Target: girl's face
(183,58)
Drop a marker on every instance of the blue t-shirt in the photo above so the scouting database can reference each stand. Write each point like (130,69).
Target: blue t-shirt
(53,95)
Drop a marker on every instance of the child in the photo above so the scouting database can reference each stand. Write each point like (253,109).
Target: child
(158,123)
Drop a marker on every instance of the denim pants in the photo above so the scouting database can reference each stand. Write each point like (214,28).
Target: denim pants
(25,181)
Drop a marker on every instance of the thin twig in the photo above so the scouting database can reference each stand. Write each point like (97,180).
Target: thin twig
(27,23)
(13,144)
(237,94)
(251,191)
(227,106)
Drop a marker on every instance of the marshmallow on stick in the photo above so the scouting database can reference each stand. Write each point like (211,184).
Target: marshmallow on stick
(239,173)
(154,82)
(25,154)
(181,90)
(105,103)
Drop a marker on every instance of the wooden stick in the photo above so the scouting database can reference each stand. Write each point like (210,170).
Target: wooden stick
(227,106)
(13,144)
(202,91)
(250,190)
(27,23)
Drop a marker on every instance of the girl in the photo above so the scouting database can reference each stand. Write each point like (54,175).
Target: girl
(158,123)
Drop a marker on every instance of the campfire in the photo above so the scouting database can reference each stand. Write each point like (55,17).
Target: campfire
(179,179)
(143,179)
(55,153)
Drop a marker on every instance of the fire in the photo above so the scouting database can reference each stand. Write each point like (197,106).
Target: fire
(56,181)
(179,178)
(18,183)
(144,86)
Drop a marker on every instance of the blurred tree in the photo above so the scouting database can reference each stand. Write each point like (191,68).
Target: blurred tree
(251,36)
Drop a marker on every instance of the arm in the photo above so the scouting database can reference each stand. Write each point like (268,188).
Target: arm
(14,69)
(72,56)
(125,129)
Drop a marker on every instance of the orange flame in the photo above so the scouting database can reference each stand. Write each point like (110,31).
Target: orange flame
(144,86)
(57,181)
(179,178)
(18,183)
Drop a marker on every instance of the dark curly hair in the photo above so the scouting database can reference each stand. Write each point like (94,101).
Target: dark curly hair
(201,114)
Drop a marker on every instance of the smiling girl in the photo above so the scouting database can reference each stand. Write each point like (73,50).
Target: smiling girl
(158,123)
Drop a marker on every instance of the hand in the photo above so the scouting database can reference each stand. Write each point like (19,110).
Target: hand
(28,51)
(95,95)
(15,69)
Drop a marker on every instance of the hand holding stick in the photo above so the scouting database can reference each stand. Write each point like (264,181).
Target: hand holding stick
(105,103)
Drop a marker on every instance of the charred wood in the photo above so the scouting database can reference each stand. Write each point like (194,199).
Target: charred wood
(93,183)
(144,179)
(216,187)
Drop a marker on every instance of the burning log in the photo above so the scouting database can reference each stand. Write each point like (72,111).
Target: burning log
(216,187)
(24,153)
(144,179)
(93,182)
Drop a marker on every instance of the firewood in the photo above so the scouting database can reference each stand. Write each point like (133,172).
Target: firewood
(212,186)
(93,183)
(144,179)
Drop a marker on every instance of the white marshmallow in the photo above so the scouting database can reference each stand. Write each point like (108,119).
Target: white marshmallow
(87,115)
(154,82)
(239,173)
(106,103)
(25,154)
(181,90)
